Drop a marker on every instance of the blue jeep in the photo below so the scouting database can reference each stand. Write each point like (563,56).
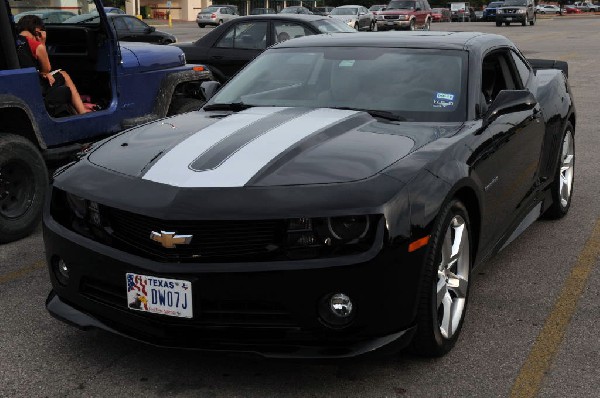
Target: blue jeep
(131,83)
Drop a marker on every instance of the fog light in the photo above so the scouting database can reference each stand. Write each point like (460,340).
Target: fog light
(336,310)
(340,305)
(61,271)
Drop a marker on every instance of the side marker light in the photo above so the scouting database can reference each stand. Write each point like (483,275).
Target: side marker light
(417,244)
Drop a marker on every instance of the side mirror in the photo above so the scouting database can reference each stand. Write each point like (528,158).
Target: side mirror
(150,29)
(509,101)
(209,89)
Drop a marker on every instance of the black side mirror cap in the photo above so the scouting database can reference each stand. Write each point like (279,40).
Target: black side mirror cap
(509,101)
(209,88)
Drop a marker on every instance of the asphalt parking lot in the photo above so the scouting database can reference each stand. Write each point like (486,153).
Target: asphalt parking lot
(530,329)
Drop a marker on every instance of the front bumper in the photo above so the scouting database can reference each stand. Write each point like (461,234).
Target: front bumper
(510,18)
(248,307)
(393,24)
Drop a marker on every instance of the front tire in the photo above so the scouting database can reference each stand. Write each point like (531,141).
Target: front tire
(412,25)
(184,105)
(445,289)
(526,21)
(532,21)
(201,25)
(23,186)
(562,186)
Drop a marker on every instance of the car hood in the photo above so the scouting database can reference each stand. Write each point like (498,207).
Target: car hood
(396,12)
(272,146)
(147,57)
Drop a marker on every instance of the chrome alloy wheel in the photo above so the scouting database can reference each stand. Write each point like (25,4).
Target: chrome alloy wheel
(453,276)
(566,169)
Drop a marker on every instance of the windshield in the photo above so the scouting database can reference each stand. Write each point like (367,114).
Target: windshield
(401,5)
(344,11)
(333,26)
(496,4)
(414,85)
(375,8)
(290,10)
(521,3)
(209,10)
(49,12)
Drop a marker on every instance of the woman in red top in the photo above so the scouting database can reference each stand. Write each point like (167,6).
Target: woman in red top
(32,28)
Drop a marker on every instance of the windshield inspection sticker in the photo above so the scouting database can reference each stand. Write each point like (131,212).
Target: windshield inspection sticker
(443,100)
(444,96)
(347,63)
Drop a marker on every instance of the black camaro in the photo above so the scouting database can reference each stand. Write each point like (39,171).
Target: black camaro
(310,210)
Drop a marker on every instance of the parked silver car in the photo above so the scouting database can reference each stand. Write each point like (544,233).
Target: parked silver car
(357,17)
(215,15)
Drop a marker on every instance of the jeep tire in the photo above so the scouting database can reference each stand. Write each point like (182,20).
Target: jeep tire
(183,105)
(23,186)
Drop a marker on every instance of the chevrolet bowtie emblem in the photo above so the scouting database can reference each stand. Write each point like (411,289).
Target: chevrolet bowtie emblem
(169,239)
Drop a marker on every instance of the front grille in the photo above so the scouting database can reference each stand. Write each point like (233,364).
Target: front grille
(207,312)
(390,17)
(211,241)
(510,11)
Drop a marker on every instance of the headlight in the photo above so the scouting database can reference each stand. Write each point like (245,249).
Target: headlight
(380,17)
(332,236)
(403,17)
(521,11)
(348,228)
(78,205)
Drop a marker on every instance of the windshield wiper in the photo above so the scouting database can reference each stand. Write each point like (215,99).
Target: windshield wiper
(234,106)
(376,113)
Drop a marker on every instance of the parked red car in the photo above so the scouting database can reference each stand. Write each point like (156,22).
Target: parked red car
(440,15)
(572,10)
(405,14)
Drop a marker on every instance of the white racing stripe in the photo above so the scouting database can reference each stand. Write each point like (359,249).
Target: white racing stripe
(173,169)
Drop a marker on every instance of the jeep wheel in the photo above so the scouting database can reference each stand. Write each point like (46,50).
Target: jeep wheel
(184,105)
(23,185)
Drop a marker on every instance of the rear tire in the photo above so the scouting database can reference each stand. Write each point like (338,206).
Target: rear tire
(184,105)
(23,186)
(201,25)
(562,186)
(445,285)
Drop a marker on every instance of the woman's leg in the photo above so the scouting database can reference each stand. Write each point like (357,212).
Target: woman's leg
(75,97)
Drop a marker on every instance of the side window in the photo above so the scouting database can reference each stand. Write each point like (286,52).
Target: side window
(249,36)
(522,68)
(496,76)
(135,25)
(289,30)
(119,23)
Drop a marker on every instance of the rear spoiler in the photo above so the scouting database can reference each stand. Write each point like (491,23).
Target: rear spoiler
(550,64)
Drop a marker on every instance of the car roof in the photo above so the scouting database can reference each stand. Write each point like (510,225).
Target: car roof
(349,6)
(425,40)
(305,17)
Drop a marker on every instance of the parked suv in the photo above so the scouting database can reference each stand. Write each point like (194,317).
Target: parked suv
(405,14)
(522,11)
(489,13)
(130,83)
(586,6)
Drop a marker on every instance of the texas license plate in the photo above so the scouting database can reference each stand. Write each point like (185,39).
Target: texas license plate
(390,23)
(172,297)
